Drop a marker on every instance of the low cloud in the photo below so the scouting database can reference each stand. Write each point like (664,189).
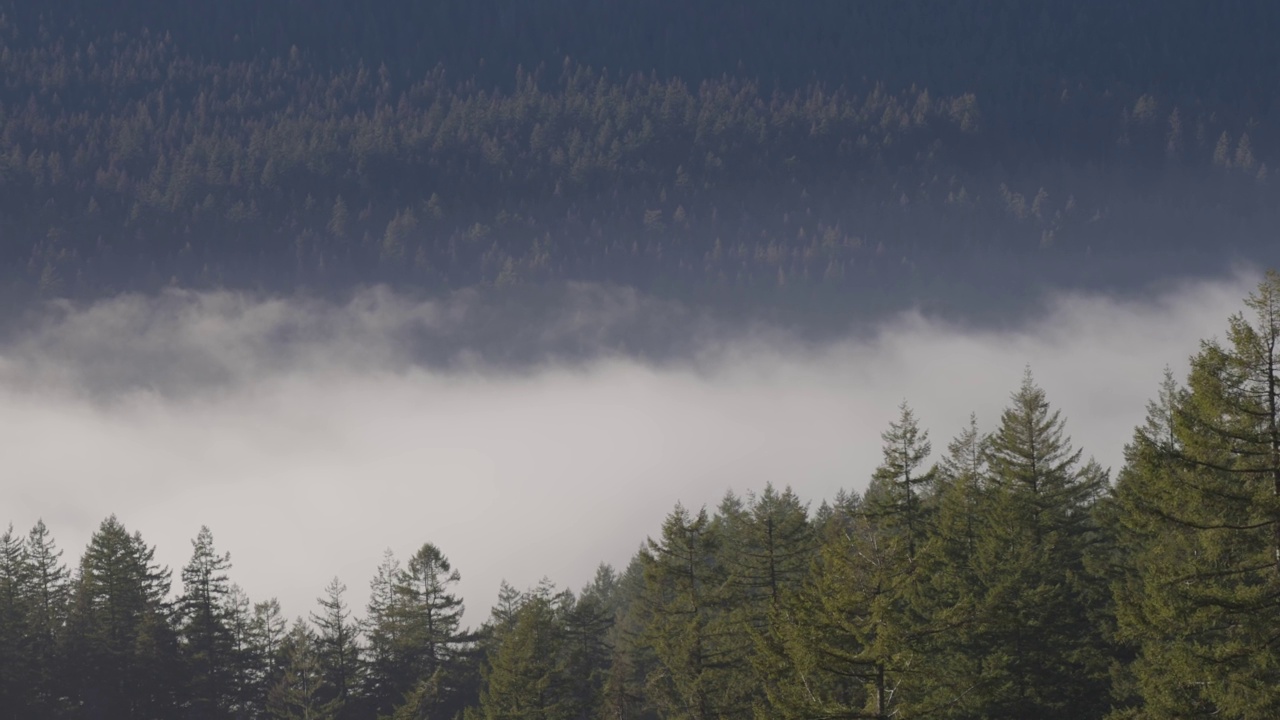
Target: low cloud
(310,436)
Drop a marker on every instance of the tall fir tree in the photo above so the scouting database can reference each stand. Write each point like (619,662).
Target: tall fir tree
(692,637)
(297,693)
(387,674)
(48,594)
(949,667)
(337,648)
(206,634)
(817,656)
(899,494)
(1199,506)
(527,676)
(16,646)
(1041,654)
(123,650)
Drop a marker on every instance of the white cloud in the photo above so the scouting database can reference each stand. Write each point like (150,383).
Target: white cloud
(307,438)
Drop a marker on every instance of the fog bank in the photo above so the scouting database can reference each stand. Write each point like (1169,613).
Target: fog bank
(311,436)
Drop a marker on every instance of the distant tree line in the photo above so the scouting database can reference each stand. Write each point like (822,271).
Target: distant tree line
(134,156)
(1011,579)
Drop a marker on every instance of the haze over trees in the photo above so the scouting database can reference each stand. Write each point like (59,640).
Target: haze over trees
(819,165)
(852,154)
(1006,576)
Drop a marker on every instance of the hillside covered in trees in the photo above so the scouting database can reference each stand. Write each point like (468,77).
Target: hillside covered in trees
(851,156)
(1010,578)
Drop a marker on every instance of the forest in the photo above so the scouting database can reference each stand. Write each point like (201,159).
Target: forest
(788,167)
(1006,576)
(852,157)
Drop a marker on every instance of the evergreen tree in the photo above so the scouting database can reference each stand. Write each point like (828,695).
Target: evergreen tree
(900,489)
(296,695)
(817,657)
(588,623)
(527,677)
(1041,654)
(687,628)
(16,646)
(776,548)
(207,639)
(243,659)
(415,631)
(122,646)
(1198,505)
(386,675)
(48,594)
(337,648)
(264,662)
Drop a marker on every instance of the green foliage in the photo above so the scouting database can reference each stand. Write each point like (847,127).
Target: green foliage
(337,650)
(1009,580)
(208,643)
(297,694)
(696,646)
(123,648)
(1199,504)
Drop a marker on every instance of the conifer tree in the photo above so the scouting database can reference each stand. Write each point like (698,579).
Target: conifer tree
(527,677)
(588,622)
(385,676)
(16,645)
(48,593)
(122,644)
(430,613)
(1041,654)
(1198,505)
(296,695)
(897,499)
(414,631)
(207,641)
(687,628)
(816,657)
(949,664)
(337,649)
(265,653)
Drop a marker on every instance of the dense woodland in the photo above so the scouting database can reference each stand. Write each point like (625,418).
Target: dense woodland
(839,159)
(856,150)
(1011,578)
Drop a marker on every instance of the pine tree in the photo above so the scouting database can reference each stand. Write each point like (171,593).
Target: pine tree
(386,674)
(264,659)
(414,631)
(898,496)
(686,626)
(816,657)
(1041,655)
(243,659)
(16,646)
(123,648)
(429,610)
(48,593)
(337,648)
(207,640)
(296,695)
(950,657)
(527,678)
(1198,503)
(777,546)
(588,652)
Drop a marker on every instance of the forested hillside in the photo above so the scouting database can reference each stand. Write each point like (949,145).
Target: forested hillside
(855,151)
(1004,576)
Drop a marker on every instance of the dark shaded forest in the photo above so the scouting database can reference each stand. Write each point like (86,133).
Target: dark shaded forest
(1010,578)
(851,157)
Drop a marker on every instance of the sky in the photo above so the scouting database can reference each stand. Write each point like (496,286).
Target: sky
(310,436)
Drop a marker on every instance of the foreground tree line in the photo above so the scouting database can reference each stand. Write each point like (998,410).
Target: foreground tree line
(1011,579)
